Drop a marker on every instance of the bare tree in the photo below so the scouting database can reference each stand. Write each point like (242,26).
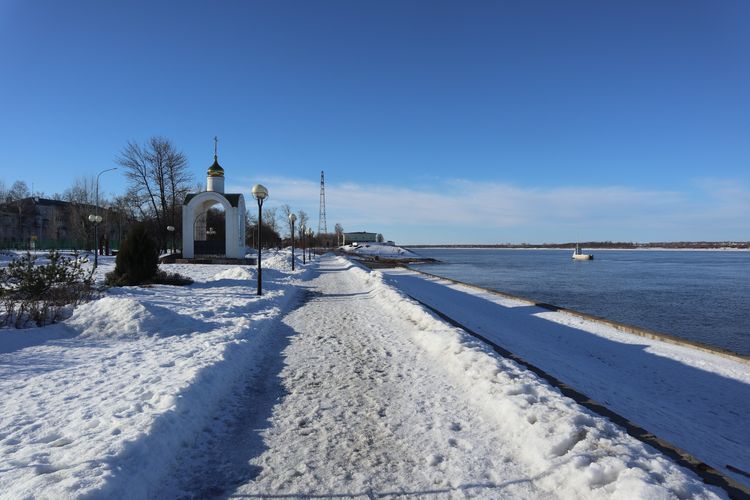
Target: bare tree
(302,221)
(251,225)
(18,191)
(179,180)
(80,196)
(82,192)
(269,236)
(134,159)
(286,211)
(269,218)
(18,203)
(124,209)
(158,180)
(339,230)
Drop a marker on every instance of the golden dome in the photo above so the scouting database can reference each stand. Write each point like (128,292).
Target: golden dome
(215,170)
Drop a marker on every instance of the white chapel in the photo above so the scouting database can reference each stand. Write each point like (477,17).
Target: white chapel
(195,241)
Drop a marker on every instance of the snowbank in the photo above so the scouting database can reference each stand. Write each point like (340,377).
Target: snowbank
(281,260)
(380,251)
(102,404)
(689,397)
(575,453)
(126,317)
(234,273)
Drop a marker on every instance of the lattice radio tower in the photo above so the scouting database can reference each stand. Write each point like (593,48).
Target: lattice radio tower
(322,226)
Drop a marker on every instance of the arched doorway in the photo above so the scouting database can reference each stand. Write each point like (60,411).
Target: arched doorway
(210,230)
(214,225)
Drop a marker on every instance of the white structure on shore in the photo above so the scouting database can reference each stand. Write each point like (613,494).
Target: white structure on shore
(194,234)
(362,237)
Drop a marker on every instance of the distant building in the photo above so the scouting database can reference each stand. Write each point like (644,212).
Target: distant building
(360,237)
(43,223)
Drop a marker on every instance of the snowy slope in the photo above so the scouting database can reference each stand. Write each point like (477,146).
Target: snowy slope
(696,400)
(103,403)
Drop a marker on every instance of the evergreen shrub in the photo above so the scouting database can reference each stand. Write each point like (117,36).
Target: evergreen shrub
(138,259)
(137,262)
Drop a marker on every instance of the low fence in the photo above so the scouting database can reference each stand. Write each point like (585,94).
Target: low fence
(52,245)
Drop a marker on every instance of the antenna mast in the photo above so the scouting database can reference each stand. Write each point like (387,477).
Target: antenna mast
(322,226)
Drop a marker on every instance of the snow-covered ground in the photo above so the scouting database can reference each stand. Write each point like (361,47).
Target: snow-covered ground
(332,383)
(103,402)
(380,251)
(698,401)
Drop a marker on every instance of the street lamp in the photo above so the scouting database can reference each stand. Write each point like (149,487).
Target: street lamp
(96,219)
(303,234)
(292,219)
(310,234)
(171,230)
(260,193)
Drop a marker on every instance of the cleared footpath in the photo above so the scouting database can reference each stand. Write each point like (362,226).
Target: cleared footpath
(367,414)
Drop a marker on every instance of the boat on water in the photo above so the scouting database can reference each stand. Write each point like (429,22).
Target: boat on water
(578,255)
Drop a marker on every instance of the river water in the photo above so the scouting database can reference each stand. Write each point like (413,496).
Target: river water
(702,296)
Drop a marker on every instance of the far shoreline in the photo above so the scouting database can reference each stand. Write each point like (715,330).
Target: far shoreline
(702,246)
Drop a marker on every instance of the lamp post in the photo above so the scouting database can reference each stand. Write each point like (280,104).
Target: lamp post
(303,234)
(292,219)
(96,218)
(260,193)
(309,247)
(171,230)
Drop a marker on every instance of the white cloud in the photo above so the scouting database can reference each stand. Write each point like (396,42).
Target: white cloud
(477,212)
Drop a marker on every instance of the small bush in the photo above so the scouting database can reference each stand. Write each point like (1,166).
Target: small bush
(42,293)
(165,278)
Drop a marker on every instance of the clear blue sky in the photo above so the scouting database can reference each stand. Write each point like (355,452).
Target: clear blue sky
(434,121)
